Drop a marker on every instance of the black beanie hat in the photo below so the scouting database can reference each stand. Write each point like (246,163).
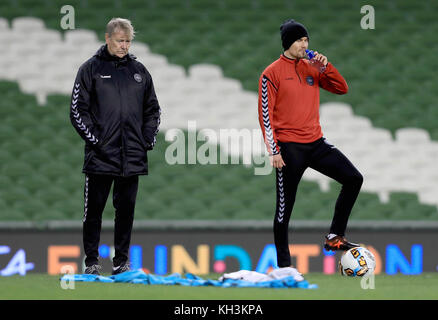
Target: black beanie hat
(291,31)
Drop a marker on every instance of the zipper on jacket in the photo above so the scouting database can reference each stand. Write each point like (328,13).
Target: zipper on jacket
(297,71)
(122,148)
(122,151)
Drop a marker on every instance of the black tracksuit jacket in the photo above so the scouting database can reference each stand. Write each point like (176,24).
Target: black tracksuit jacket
(116,112)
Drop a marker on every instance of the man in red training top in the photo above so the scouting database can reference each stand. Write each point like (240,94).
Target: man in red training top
(289,119)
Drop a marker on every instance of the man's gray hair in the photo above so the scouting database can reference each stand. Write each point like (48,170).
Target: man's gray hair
(120,24)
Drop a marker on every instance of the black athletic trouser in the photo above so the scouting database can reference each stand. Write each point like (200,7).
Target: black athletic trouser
(96,191)
(328,160)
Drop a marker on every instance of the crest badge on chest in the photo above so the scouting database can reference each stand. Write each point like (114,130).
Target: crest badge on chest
(137,77)
(309,80)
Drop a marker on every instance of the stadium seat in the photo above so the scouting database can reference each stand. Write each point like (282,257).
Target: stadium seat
(67,208)
(78,37)
(42,37)
(36,87)
(428,197)
(33,183)
(4,25)
(150,207)
(335,112)
(138,47)
(32,209)
(27,24)
(412,136)
(54,170)
(16,147)
(15,194)
(225,87)
(375,137)
(154,61)
(164,77)
(35,158)
(205,72)
(11,213)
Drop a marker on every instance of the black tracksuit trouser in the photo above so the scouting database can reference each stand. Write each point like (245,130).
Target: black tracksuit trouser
(328,160)
(96,191)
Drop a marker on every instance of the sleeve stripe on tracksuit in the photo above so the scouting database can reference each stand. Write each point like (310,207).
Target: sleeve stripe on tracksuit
(269,135)
(80,124)
(158,128)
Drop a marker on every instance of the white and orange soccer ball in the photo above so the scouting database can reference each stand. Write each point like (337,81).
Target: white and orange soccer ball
(357,261)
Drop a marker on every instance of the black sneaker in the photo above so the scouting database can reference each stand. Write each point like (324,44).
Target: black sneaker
(93,269)
(121,268)
(339,243)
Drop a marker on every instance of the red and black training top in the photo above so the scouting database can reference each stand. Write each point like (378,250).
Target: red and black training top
(289,100)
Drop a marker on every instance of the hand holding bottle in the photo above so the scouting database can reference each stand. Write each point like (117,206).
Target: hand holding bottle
(317,60)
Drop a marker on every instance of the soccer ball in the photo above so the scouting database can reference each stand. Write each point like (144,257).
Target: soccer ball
(357,262)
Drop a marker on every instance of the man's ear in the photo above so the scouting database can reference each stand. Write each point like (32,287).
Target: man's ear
(106,37)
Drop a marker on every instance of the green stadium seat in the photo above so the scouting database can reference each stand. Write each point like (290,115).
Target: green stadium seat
(149,207)
(68,208)
(31,209)
(228,208)
(5,156)
(54,170)
(246,194)
(10,213)
(35,158)
(5,183)
(171,195)
(265,205)
(33,183)
(50,195)
(13,194)
(16,170)
(46,215)
(190,207)
(172,213)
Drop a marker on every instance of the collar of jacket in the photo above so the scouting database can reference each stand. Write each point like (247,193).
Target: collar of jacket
(290,60)
(104,54)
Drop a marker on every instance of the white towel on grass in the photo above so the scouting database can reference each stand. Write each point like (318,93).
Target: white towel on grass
(254,276)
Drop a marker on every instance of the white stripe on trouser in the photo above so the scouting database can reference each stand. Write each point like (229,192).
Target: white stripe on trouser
(85,199)
(281,204)
(329,144)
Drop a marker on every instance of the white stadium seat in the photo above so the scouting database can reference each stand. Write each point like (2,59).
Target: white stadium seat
(27,24)
(335,111)
(139,48)
(375,137)
(12,38)
(44,37)
(4,24)
(168,74)
(153,61)
(36,87)
(412,136)
(356,125)
(429,197)
(79,36)
(205,72)
(225,86)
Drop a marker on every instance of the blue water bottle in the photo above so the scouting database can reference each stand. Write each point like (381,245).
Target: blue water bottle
(315,63)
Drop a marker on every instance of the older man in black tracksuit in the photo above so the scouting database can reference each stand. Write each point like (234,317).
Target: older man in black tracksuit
(115,110)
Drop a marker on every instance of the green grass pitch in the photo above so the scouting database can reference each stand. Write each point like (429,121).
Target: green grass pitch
(42,286)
